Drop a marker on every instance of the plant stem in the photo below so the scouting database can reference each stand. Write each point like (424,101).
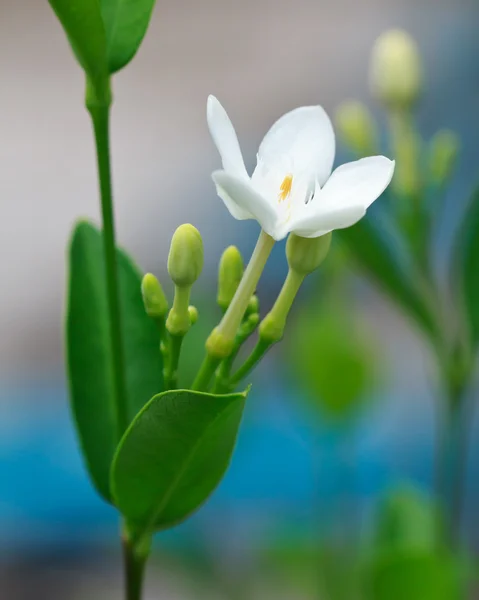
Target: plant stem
(272,328)
(220,343)
(171,379)
(134,562)
(100,115)
(206,372)
(236,310)
(250,363)
(456,429)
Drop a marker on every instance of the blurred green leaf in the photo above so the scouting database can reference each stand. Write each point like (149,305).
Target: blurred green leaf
(89,354)
(467,264)
(126,22)
(407,520)
(338,368)
(83,25)
(408,576)
(173,456)
(410,559)
(372,246)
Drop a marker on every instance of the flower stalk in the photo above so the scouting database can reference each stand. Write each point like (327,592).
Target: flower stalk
(99,109)
(221,341)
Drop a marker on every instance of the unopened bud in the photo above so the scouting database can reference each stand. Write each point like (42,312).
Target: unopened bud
(154,299)
(185,260)
(443,153)
(229,275)
(193,314)
(356,126)
(395,70)
(248,326)
(305,255)
(253,306)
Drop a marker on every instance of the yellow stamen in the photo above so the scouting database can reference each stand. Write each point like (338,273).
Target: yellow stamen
(285,188)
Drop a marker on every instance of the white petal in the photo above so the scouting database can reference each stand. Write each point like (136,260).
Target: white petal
(245,199)
(300,142)
(224,137)
(360,182)
(351,189)
(319,225)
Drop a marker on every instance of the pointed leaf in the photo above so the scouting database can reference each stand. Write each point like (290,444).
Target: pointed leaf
(126,22)
(83,25)
(173,456)
(89,355)
(374,250)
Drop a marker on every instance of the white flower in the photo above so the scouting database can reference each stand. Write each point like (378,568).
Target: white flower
(292,188)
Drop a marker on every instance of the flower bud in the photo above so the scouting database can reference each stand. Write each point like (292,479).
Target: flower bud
(305,255)
(248,326)
(185,260)
(395,70)
(253,306)
(229,275)
(193,314)
(443,153)
(154,299)
(357,128)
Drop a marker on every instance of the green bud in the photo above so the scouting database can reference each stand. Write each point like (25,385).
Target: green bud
(395,70)
(230,273)
(357,127)
(253,306)
(305,255)
(193,314)
(443,153)
(185,261)
(248,326)
(154,299)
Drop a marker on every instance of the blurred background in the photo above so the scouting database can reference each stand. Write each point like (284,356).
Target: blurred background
(317,457)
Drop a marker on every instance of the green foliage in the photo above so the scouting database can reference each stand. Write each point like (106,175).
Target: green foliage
(126,22)
(89,350)
(338,367)
(173,456)
(409,559)
(407,521)
(401,576)
(467,265)
(371,246)
(83,25)
(104,34)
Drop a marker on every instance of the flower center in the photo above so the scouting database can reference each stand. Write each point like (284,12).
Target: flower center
(285,188)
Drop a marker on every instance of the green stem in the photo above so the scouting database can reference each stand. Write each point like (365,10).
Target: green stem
(100,114)
(220,343)
(134,567)
(171,380)
(177,324)
(236,310)
(272,328)
(206,372)
(250,363)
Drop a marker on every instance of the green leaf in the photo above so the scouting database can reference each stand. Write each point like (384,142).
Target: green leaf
(173,456)
(83,24)
(126,22)
(428,576)
(339,367)
(372,246)
(89,354)
(407,520)
(467,265)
